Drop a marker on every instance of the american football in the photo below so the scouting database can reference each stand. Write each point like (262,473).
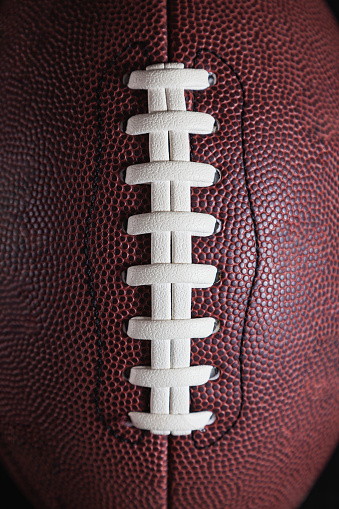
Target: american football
(169,229)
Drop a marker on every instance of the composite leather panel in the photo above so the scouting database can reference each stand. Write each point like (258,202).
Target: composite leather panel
(65,434)
(283,193)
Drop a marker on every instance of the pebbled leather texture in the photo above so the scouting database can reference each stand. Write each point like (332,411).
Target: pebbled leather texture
(64,399)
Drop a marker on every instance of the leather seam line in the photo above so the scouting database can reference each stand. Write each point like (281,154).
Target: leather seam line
(88,224)
(256,237)
(88,263)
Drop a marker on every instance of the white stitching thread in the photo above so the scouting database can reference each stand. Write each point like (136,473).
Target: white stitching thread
(171,224)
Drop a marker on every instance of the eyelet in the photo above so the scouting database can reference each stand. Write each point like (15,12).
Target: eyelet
(215,374)
(217,277)
(125,79)
(123,126)
(216,326)
(123,276)
(216,126)
(218,226)
(217,176)
(212,79)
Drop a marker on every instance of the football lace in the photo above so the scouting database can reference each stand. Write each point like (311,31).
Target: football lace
(171,224)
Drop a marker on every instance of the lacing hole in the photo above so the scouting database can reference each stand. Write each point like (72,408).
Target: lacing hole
(217,277)
(126,422)
(212,79)
(126,374)
(217,176)
(122,176)
(216,126)
(123,126)
(123,275)
(125,79)
(218,226)
(215,373)
(213,418)
(125,326)
(216,326)
(124,225)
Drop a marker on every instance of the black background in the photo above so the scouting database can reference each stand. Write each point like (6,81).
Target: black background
(325,494)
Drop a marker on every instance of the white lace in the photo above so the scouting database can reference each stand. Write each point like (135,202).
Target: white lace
(171,224)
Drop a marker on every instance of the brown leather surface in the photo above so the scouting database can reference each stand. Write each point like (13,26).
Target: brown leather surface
(64,399)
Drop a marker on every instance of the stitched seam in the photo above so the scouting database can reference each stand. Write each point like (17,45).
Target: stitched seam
(256,236)
(88,263)
(89,272)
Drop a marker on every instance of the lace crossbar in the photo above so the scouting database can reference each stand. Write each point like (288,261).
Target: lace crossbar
(171,224)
